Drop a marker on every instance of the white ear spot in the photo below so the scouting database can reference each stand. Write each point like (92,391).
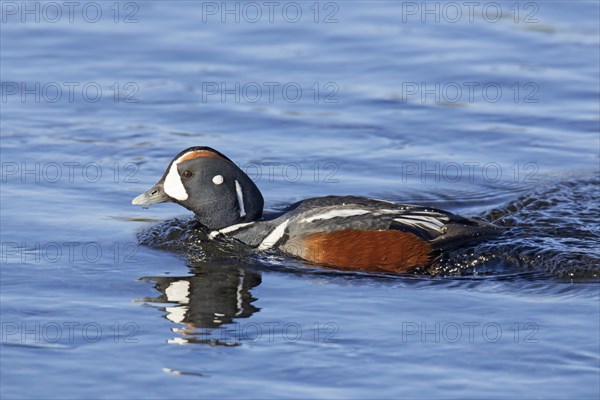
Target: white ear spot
(173,185)
(218,179)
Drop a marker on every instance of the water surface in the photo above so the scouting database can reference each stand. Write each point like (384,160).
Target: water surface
(101,299)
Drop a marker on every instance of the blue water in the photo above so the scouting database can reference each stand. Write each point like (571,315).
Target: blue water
(490,116)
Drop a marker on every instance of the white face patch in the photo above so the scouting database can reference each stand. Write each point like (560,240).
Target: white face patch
(173,185)
(217,179)
(240,198)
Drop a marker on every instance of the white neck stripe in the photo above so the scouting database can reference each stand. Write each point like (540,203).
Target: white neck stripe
(240,198)
(228,229)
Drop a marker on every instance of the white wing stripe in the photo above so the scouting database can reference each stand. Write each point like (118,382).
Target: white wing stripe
(423,219)
(429,224)
(334,214)
(274,236)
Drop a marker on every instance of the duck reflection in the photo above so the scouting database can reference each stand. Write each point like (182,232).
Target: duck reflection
(215,295)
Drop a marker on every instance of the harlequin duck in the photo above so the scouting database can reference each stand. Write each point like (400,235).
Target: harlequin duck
(347,232)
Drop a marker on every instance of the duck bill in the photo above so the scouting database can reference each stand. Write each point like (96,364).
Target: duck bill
(156,194)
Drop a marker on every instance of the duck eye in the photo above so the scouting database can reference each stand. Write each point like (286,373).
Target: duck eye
(187,173)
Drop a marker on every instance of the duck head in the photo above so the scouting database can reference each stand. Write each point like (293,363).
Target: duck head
(206,182)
